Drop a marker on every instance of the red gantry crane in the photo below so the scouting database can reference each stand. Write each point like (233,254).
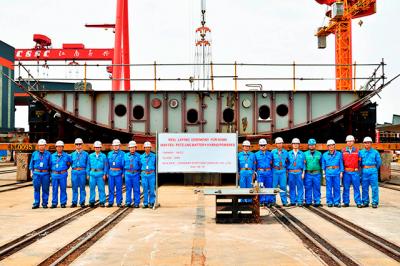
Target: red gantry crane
(341,14)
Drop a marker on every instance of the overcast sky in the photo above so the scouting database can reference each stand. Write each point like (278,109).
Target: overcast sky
(256,31)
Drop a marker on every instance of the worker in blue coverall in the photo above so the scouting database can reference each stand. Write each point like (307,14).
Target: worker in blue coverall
(312,179)
(60,163)
(40,172)
(332,169)
(370,161)
(78,174)
(115,173)
(264,172)
(296,169)
(96,170)
(246,167)
(132,175)
(279,164)
(148,175)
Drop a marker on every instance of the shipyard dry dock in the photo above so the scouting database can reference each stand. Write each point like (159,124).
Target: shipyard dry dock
(183,231)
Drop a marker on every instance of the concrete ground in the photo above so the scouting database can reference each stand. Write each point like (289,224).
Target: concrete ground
(183,232)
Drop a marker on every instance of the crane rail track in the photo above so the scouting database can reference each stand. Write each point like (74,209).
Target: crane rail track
(319,246)
(383,245)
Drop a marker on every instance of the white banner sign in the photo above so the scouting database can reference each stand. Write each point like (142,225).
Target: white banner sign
(197,153)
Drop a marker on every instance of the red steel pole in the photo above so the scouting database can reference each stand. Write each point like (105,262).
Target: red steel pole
(125,48)
(116,83)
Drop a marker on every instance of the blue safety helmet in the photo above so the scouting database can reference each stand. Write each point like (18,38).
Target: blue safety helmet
(312,142)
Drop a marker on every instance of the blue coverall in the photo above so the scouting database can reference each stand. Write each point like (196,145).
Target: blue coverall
(96,168)
(370,163)
(148,175)
(60,164)
(116,170)
(78,176)
(264,173)
(296,166)
(279,162)
(312,179)
(332,164)
(132,169)
(246,168)
(40,166)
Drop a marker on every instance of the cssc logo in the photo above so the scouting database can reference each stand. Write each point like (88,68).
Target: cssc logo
(32,53)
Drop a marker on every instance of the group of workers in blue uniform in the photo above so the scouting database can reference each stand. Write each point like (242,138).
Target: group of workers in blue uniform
(302,171)
(137,169)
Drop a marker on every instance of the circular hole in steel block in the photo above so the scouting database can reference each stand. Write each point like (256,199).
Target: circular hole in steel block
(282,110)
(192,116)
(173,103)
(138,112)
(156,103)
(228,115)
(120,110)
(264,112)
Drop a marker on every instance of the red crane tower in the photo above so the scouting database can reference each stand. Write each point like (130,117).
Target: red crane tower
(341,14)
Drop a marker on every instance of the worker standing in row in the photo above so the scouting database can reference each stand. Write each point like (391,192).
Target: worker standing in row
(39,167)
(264,172)
(115,173)
(60,163)
(96,170)
(279,161)
(312,178)
(296,167)
(370,161)
(351,176)
(132,169)
(332,169)
(148,175)
(78,174)
(246,167)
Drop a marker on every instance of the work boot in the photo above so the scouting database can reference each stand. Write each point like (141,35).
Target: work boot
(316,205)
(109,205)
(91,205)
(300,204)
(136,206)
(119,205)
(345,205)
(103,205)
(292,204)
(83,205)
(145,206)
(285,205)
(374,206)
(337,205)
(151,205)
(73,205)
(307,205)
(63,206)
(359,206)
(128,205)
(53,206)
(35,206)
(44,206)
(330,205)
(365,205)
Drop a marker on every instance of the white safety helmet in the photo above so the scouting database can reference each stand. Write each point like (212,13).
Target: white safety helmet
(147,144)
(116,142)
(295,141)
(78,141)
(59,143)
(330,142)
(97,144)
(262,142)
(350,138)
(246,143)
(367,139)
(42,142)
(278,140)
(131,144)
